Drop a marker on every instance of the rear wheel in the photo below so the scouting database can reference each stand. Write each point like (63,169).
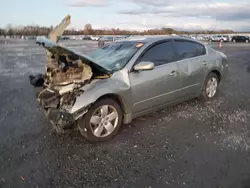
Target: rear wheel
(247,41)
(210,87)
(234,40)
(102,121)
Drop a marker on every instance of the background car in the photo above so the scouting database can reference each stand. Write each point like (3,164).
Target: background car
(96,38)
(218,38)
(86,37)
(241,38)
(64,38)
(107,38)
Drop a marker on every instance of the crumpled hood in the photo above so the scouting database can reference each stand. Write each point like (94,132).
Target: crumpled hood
(55,48)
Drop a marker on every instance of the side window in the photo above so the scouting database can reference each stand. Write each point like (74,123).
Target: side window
(201,50)
(187,49)
(159,54)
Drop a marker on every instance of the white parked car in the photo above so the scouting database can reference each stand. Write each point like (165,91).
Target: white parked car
(94,38)
(218,38)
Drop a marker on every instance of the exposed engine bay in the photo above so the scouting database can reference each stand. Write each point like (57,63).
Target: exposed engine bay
(65,74)
(62,77)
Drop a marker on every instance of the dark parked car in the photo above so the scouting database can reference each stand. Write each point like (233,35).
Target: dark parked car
(245,39)
(86,38)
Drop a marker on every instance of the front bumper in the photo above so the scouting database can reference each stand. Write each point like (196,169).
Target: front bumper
(50,103)
(60,120)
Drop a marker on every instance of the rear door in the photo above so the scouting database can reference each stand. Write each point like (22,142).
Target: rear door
(153,88)
(192,66)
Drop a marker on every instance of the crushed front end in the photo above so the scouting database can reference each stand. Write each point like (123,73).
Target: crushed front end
(65,75)
(66,72)
(58,88)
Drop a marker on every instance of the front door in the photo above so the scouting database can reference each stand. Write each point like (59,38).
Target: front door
(152,88)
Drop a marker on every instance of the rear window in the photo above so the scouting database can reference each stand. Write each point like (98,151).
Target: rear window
(116,55)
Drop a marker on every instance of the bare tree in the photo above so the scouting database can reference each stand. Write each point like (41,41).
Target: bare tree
(9,30)
(88,30)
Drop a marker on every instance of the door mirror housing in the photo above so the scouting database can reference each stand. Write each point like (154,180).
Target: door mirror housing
(144,65)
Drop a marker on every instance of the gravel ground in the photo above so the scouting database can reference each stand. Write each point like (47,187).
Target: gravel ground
(189,145)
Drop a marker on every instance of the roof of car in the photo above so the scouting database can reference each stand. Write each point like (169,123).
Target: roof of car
(147,39)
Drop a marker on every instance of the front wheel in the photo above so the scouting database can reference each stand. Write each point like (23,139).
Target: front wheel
(210,87)
(102,121)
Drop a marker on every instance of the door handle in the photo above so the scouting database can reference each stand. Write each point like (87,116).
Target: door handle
(173,73)
(204,63)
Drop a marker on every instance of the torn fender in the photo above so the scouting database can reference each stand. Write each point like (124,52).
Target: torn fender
(119,83)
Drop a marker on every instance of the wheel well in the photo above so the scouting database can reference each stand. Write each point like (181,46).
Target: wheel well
(116,98)
(217,73)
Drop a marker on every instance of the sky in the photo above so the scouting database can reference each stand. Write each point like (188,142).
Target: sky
(130,14)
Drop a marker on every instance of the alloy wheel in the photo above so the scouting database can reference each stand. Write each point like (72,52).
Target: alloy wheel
(104,121)
(211,88)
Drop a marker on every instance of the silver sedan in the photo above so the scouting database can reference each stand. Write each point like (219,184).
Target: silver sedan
(124,80)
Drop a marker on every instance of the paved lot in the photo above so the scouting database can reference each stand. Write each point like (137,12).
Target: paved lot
(190,145)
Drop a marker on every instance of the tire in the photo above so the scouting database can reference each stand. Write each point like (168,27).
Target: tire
(234,41)
(205,96)
(91,131)
(247,41)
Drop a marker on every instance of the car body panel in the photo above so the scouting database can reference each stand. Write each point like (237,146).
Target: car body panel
(192,75)
(154,87)
(117,84)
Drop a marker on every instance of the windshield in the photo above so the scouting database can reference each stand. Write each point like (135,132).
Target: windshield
(115,55)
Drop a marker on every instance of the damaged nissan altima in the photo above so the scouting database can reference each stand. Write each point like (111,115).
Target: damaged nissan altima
(99,92)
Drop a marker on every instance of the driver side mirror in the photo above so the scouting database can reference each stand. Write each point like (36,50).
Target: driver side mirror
(144,65)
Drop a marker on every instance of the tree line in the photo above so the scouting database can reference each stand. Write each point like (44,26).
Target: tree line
(35,30)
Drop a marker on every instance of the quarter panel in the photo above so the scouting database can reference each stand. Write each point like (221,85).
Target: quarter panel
(214,63)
